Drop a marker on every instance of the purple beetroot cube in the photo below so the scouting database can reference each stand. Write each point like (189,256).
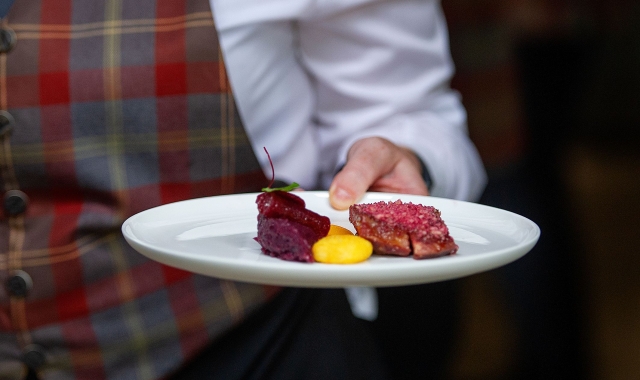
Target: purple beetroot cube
(285,205)
(286,239)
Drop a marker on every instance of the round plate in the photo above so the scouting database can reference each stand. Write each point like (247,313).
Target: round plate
(214,237)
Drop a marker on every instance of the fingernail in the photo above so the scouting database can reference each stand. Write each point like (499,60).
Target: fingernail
(341,199)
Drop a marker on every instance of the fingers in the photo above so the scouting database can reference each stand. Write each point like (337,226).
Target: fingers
(406,177)
(379,165)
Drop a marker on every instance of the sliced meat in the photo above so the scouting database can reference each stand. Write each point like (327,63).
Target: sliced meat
(401,229)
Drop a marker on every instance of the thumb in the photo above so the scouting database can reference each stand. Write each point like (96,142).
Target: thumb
(366,163)
(344,192)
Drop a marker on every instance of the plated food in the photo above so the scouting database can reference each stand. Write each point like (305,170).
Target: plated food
(289,231)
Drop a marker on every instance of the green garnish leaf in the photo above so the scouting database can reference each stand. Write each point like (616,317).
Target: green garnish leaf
(285,188)
(269,189)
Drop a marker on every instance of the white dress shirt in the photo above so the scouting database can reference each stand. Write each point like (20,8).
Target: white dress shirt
(313,76)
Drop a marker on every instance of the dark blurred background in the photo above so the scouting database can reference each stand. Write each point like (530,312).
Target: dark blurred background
(552,90)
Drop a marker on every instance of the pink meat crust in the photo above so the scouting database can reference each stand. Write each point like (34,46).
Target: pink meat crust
(397,228)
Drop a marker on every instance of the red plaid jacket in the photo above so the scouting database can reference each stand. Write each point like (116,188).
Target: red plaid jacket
(110,107)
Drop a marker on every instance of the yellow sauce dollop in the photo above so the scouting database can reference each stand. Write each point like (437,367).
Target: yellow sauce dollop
(342,249)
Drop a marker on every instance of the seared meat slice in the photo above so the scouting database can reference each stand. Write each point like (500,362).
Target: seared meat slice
(397,228)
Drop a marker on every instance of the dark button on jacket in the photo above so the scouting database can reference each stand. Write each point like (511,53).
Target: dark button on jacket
(7,39)
(15,202)
(33,356)
(6,123)
(19,284)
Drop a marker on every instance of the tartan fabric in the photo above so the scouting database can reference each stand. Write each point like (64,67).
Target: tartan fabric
(119,106)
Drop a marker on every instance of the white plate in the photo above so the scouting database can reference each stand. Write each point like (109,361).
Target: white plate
(214,236)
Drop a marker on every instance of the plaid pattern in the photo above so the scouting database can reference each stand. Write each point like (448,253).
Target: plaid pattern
(119,106)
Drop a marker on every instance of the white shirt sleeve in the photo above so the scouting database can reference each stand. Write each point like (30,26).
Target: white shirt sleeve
(312,77)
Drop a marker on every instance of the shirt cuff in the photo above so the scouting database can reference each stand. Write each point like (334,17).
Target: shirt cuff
(426,175)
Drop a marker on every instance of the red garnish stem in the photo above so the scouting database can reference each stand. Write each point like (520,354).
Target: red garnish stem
(273,172)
